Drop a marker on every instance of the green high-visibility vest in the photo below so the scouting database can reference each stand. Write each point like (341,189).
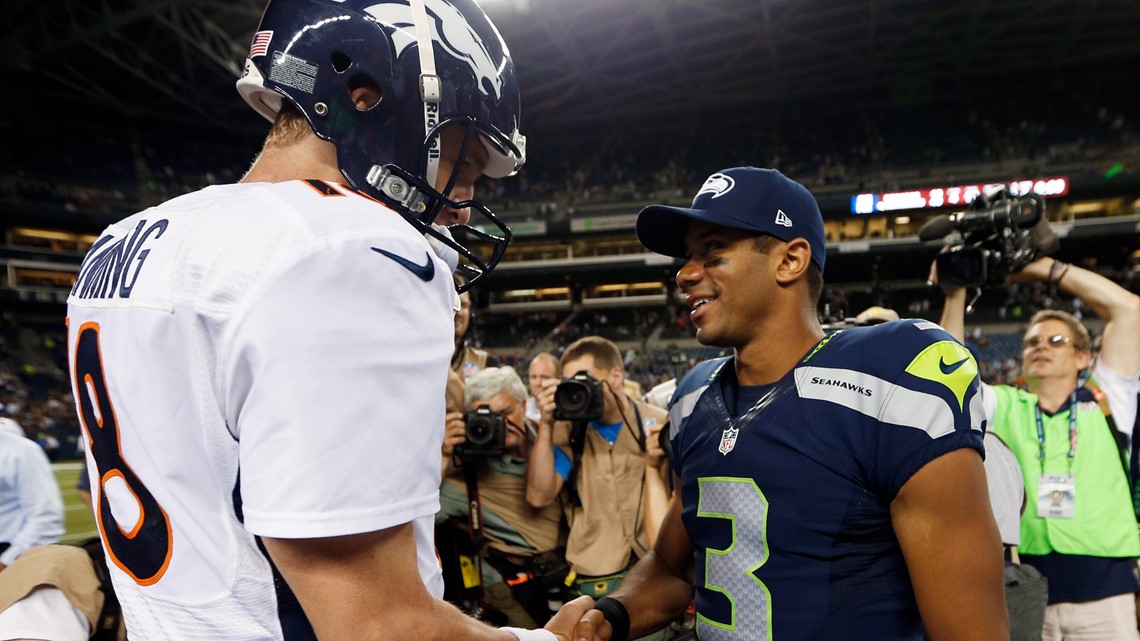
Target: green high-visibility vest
(1104,523)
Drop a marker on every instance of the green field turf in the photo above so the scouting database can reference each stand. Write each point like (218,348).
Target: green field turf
(79,520)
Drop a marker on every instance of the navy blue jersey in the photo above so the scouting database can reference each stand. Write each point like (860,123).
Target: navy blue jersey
(788,503)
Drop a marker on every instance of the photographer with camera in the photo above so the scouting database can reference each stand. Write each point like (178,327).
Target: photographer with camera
(616,480)
(1071,432)
(518,546)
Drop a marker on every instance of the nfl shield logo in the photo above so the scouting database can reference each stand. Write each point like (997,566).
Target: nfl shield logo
(728,440)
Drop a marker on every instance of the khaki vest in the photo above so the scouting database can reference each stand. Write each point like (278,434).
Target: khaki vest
(609,526)
(65,567)
(469,361)
(504,495)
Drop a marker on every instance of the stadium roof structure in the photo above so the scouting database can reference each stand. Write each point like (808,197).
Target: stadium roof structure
(620,64)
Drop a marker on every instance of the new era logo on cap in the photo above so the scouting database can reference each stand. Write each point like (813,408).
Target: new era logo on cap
(763,201)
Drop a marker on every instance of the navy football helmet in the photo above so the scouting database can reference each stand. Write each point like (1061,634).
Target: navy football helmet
(314,52)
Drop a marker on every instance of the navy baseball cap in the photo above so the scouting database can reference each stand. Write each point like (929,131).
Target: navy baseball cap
(759,200)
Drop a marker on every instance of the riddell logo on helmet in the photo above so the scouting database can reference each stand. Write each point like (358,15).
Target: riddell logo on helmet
(717,185)
(450,29)
(431,109)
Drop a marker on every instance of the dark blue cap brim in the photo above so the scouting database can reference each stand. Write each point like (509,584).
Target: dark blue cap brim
(662,228)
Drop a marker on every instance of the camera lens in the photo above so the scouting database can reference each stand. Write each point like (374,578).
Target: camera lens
(479,431)
(572,396)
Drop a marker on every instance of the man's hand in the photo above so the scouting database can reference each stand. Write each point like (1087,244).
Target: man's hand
(545,400)
(654,455)
(932,276)
(565,623)
(455,432)
(593,627)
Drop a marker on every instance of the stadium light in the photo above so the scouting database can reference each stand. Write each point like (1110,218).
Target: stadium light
(522,6)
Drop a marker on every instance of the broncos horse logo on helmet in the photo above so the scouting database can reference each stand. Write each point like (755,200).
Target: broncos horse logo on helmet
(448,29)
(437,63)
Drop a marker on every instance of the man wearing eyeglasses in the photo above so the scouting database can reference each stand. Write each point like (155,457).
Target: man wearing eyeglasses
(519,545)
(1071,433)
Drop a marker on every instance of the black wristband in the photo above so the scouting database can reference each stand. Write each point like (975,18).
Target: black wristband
(1057,271)
(616,614)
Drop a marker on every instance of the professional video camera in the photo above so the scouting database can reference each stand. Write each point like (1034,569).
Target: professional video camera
(579,398)
(1000,235)
(486,433)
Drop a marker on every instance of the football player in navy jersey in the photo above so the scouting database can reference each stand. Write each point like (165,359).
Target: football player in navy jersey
(828,487)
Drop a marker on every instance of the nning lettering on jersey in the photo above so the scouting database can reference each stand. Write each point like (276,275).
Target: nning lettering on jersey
(112,267)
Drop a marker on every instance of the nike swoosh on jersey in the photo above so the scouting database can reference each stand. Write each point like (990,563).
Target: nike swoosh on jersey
(948,368)
(425,272)
(931,365)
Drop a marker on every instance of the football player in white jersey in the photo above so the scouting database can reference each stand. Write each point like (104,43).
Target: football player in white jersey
(259,368)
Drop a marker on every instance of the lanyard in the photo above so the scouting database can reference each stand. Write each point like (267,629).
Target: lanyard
(1072,433)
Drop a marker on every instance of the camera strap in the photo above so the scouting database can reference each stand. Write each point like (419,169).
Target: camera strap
(577,444)
(639,432)
(1119,438)
(475,519)
(640,423)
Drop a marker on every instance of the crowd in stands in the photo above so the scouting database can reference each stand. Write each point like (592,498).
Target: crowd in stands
(34,390)
(111,173)
(877,148)
(873,149)
(657,341)
(651,334)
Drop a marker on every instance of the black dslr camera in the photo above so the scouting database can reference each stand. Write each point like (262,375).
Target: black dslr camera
(579,398)
(486,433)
(1000,235)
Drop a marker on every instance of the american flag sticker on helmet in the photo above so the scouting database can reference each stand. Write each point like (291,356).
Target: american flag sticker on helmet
(260,44)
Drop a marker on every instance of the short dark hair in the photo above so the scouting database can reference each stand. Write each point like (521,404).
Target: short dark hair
(606,354)
(763,243)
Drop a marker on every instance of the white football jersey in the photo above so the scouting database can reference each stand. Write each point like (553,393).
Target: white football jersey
(256,360)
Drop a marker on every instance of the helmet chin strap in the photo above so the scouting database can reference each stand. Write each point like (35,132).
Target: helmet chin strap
(430,89)
(449,255)
(431,93)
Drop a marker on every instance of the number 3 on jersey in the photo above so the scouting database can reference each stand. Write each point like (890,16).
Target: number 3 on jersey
(731,571)
(143,551)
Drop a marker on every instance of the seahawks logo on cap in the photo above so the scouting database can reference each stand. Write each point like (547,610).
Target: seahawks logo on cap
(718,185)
